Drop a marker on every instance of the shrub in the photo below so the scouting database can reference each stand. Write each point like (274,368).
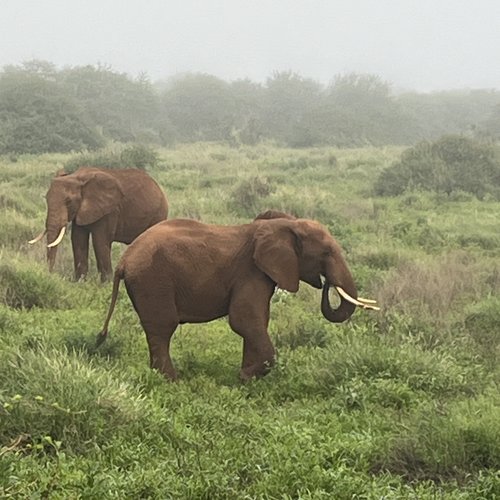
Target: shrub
(453,163)
(246,196)
(26,286)
(135,156)
(139,156)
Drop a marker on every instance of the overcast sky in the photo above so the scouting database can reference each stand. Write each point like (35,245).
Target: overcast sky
(414,44)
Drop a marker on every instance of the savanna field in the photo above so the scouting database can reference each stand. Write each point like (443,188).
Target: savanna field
(401,403)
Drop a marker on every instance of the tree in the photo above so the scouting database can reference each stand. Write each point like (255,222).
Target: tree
(364,112)
(37,116)
(249,109)
(290,101)
(201,107)
(125,110)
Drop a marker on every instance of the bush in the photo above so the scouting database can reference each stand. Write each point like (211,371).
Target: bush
(135,156)
(453,163)
(139,156)
(28,286)
(246,196)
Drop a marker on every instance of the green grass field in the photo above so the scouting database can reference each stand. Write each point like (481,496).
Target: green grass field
(403,403)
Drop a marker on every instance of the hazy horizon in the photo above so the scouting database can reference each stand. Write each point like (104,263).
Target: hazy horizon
(423,46)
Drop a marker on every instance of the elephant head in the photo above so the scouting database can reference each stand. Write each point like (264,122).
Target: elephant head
(290,250)
(82,197)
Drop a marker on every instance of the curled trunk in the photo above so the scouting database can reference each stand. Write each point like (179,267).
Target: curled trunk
(342,313)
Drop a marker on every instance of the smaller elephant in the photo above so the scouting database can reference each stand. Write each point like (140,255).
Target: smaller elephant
(109,204)
(184,271)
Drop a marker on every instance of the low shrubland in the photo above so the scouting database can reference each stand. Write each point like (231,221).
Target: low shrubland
(402,403)
(448,165)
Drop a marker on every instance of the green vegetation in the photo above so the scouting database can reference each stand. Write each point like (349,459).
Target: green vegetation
(448,165)
(403,403)
(45,109)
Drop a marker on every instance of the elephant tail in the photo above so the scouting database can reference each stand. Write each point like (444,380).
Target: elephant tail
(103,334)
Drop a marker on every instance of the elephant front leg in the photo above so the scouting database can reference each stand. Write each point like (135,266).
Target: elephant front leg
(249,318)
(80,245)
(102,250)
(258,356)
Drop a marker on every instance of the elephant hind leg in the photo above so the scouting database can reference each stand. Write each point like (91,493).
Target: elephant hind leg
(159,325)
(158,337)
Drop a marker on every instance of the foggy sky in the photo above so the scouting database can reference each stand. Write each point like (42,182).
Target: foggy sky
(414,44)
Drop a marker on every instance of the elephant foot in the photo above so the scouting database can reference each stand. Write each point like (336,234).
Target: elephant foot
(106,277)
(256,371)
(170,376)
(166,369)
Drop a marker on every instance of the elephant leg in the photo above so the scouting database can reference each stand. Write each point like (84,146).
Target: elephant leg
(80,245)
(258,355)
(102,250)
(159,326)
(249,318)
(158,337)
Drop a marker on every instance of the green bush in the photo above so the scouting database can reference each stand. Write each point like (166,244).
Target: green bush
(139,156)
(115,156)
(27,286)
(246,198)
(453,163)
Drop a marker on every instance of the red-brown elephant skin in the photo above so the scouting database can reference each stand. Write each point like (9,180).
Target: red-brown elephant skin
(107,204)
(184,271)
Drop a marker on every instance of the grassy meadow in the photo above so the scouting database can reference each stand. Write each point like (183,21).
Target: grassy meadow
(401,403)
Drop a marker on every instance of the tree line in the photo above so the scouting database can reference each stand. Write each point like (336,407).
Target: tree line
(46,109)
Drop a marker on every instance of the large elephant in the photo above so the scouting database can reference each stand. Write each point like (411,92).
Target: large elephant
(109,204)
(184,271)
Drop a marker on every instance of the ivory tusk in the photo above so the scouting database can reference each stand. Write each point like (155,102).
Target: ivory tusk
(58,239)
(356,302)
(369,306)
(367,301)
(38,238)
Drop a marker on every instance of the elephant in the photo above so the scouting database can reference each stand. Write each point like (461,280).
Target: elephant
(109,204)
(185,271)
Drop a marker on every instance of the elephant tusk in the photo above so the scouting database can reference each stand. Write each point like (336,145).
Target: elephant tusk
(38,238)
(367,301)
(58,239)
(356,302)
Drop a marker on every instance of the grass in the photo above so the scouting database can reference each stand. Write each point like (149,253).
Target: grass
(398,404)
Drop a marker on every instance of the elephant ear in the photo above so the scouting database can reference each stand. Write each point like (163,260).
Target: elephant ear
(275,254)
(101,194)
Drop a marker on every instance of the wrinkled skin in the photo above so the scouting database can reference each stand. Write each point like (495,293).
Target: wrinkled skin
(183,271)
(111,205)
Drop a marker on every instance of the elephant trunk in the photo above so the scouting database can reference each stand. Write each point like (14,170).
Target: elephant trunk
(341,279)
(342,313)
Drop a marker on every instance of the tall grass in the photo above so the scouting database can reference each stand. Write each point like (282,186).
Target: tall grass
(402,403)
